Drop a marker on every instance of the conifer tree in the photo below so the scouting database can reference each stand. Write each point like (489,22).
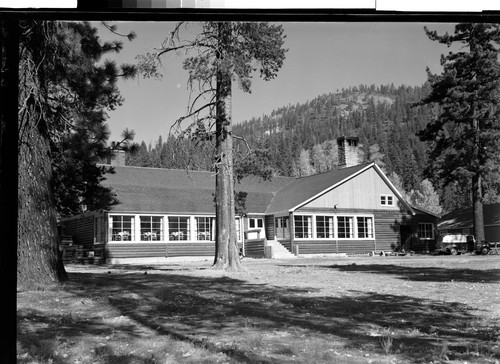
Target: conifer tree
(219,53)
(464,135)
(62,98)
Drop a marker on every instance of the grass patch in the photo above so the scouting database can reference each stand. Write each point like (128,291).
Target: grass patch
(328,310)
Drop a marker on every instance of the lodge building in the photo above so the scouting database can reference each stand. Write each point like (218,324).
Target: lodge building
(162,213)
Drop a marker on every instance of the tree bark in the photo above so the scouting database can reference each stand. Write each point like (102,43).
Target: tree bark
(39,261)
(226,245)
(9,47)
(477,208)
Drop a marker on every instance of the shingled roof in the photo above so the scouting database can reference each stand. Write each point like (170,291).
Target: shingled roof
(180,191)
(304,188)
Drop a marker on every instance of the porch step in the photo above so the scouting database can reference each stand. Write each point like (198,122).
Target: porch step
(279,251)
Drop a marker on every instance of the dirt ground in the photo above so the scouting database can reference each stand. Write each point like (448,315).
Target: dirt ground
(428,309)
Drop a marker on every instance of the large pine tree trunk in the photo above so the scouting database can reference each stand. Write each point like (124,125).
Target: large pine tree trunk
(38,259)
(226,245)
(477,208)
(477,193)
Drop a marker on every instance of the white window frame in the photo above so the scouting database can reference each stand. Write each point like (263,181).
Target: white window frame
(331,226)
(370,228)
(310,225)
(426,224)
(384,200)
(152,236)
(132,233)
(211,229)
(189,233)
(353,227)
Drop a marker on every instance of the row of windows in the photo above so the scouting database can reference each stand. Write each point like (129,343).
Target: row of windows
(154,228)
(337,227)
(326,227)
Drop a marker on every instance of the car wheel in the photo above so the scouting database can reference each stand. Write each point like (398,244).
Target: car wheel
(485,250)
(453,251)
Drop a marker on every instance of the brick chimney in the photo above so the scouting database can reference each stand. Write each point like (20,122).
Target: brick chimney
(348,151)
(117,159)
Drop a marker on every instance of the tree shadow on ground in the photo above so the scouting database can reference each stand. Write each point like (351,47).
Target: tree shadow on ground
(417,274)
(206,311)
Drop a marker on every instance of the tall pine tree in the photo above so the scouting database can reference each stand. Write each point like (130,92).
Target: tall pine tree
(219,53)
(464,135)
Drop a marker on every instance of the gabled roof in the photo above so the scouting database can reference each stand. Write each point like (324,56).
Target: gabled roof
(305,189)
(180,191)
(463,218)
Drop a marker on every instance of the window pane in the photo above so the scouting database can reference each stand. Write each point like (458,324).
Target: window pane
(151,228)
(324,227)
(302,226)
(204,228)
(365,227)
(344,227)
(425,230)
(122,228)
(178,228)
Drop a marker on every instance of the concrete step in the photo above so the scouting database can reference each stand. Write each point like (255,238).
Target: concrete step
(279,251)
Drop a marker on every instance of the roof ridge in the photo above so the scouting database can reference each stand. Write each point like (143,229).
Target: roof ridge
(362,165)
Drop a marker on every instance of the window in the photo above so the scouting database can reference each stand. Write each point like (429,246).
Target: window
(324,227)
(345,227)
(281,225)
(256,223)
(122,228)
(303,227)
(425,230)
(204,228)
(365,227)
(178,228)
(151,228)
(387,200)
(238,229)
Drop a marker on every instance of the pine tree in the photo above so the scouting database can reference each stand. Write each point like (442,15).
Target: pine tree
(464,135)
(221,52)
(61,97)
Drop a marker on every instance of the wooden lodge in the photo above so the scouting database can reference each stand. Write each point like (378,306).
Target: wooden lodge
(162,213)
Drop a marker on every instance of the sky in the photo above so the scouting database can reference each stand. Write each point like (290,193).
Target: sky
(321,58)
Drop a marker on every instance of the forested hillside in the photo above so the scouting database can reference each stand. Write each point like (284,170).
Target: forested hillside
(298,140)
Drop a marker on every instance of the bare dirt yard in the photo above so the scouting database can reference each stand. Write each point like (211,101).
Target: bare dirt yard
(420,309)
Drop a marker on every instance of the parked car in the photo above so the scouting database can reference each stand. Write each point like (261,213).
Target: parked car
(460,243)
(456,243)
(484,247)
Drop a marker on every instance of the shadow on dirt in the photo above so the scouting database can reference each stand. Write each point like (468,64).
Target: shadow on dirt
(417,274)
(204,310)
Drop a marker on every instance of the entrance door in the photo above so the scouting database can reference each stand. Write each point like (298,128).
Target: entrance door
(405,236)
(257,223)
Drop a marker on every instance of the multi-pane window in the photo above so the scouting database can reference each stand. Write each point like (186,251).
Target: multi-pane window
(122,228)
(425,230)
(238,229)
(387,200)
(151,228)
(255,223)
(324,227)
(178,228)
(345,227)
(365,227)
(281,226)
(204,228)
(303,226)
